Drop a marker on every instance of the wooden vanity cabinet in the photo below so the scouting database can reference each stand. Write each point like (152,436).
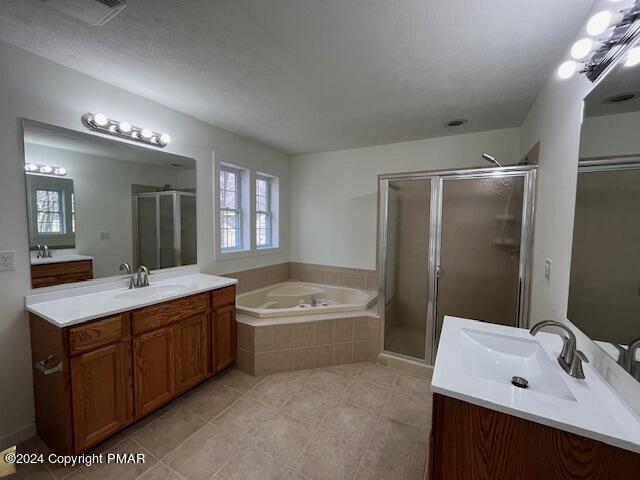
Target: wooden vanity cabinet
(223,326)
(48,274)
(118,369)
(469,442)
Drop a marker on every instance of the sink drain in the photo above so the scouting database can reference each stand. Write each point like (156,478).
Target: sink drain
(519,382)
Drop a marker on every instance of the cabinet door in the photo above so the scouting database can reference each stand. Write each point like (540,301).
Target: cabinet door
(154,359)
(224,337)
(192,349)
(101,393)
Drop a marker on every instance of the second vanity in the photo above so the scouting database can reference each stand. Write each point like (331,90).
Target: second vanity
(104,357)
(559,427)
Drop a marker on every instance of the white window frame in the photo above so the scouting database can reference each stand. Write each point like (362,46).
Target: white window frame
(64,187)
(268,212)
(248,205)
(238,210)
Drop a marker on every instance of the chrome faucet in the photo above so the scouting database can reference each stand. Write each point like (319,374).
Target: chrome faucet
(630,364)
(570,358)
(124,266)
(312,301)
(43,251)
(142,278)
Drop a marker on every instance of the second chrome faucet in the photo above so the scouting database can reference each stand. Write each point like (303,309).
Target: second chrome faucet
(136,280)
(570,358)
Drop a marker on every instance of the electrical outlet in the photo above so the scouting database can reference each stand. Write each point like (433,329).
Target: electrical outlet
(547,269)
(7,261)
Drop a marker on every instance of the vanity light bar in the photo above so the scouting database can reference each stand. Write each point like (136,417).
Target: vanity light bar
(45,169)
(613,33)
(100,123)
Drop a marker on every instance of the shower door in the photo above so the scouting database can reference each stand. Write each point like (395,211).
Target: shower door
(478,273)
(452,243)
(407,275)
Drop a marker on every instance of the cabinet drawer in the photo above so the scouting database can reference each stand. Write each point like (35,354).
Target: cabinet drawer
(223,296)
(93,335)
(163,314)
(62,268)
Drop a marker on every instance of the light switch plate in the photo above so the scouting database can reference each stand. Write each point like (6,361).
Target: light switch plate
(7,261)
(547,268)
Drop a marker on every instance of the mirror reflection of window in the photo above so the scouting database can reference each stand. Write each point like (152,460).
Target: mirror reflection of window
(49,211)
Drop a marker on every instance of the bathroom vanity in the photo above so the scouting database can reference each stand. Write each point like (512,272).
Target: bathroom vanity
(104,359)
(558,428)
(46,272)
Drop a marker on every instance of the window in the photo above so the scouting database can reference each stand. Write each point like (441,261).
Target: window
(49,211)
(230,211)
(263,212)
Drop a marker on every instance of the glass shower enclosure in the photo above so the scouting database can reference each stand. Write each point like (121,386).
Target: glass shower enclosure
(166,229)
(452,243)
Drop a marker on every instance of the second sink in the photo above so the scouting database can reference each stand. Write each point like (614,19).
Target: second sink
(498,358)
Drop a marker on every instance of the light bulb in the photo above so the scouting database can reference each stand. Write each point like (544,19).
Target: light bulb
(31,167)
(124,127)
(633,57)
(581,48)
(100,119)
(135,134)
(112,128)
(46,169)
(567,69)
(165,138)
(60,171)
(598,23)
(146,133)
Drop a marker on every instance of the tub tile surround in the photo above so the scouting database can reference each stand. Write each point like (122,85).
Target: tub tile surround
(268,349)
(320,424)
(256,278)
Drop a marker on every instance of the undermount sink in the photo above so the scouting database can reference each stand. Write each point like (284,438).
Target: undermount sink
(152,292)
(499,358)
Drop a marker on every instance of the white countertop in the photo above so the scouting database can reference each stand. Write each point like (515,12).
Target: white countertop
(591,407)
(71,257)
(76,305)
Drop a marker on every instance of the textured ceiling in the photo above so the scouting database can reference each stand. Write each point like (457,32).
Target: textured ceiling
(317,75)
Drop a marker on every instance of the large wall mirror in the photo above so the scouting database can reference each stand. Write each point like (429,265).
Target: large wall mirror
(93,203)
(604,295)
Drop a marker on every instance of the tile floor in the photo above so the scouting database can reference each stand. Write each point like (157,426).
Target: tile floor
(357,421)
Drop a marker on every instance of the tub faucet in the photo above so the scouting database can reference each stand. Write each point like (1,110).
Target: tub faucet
(312,301)
(570,358)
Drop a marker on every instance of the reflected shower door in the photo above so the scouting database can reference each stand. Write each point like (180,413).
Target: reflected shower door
(407,273)
(479,268)
(167,231)
(147,232)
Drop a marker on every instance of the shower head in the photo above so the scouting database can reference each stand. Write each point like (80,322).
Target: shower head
(491,159)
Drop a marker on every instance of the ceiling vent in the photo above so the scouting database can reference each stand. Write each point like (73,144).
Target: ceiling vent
(94,12)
